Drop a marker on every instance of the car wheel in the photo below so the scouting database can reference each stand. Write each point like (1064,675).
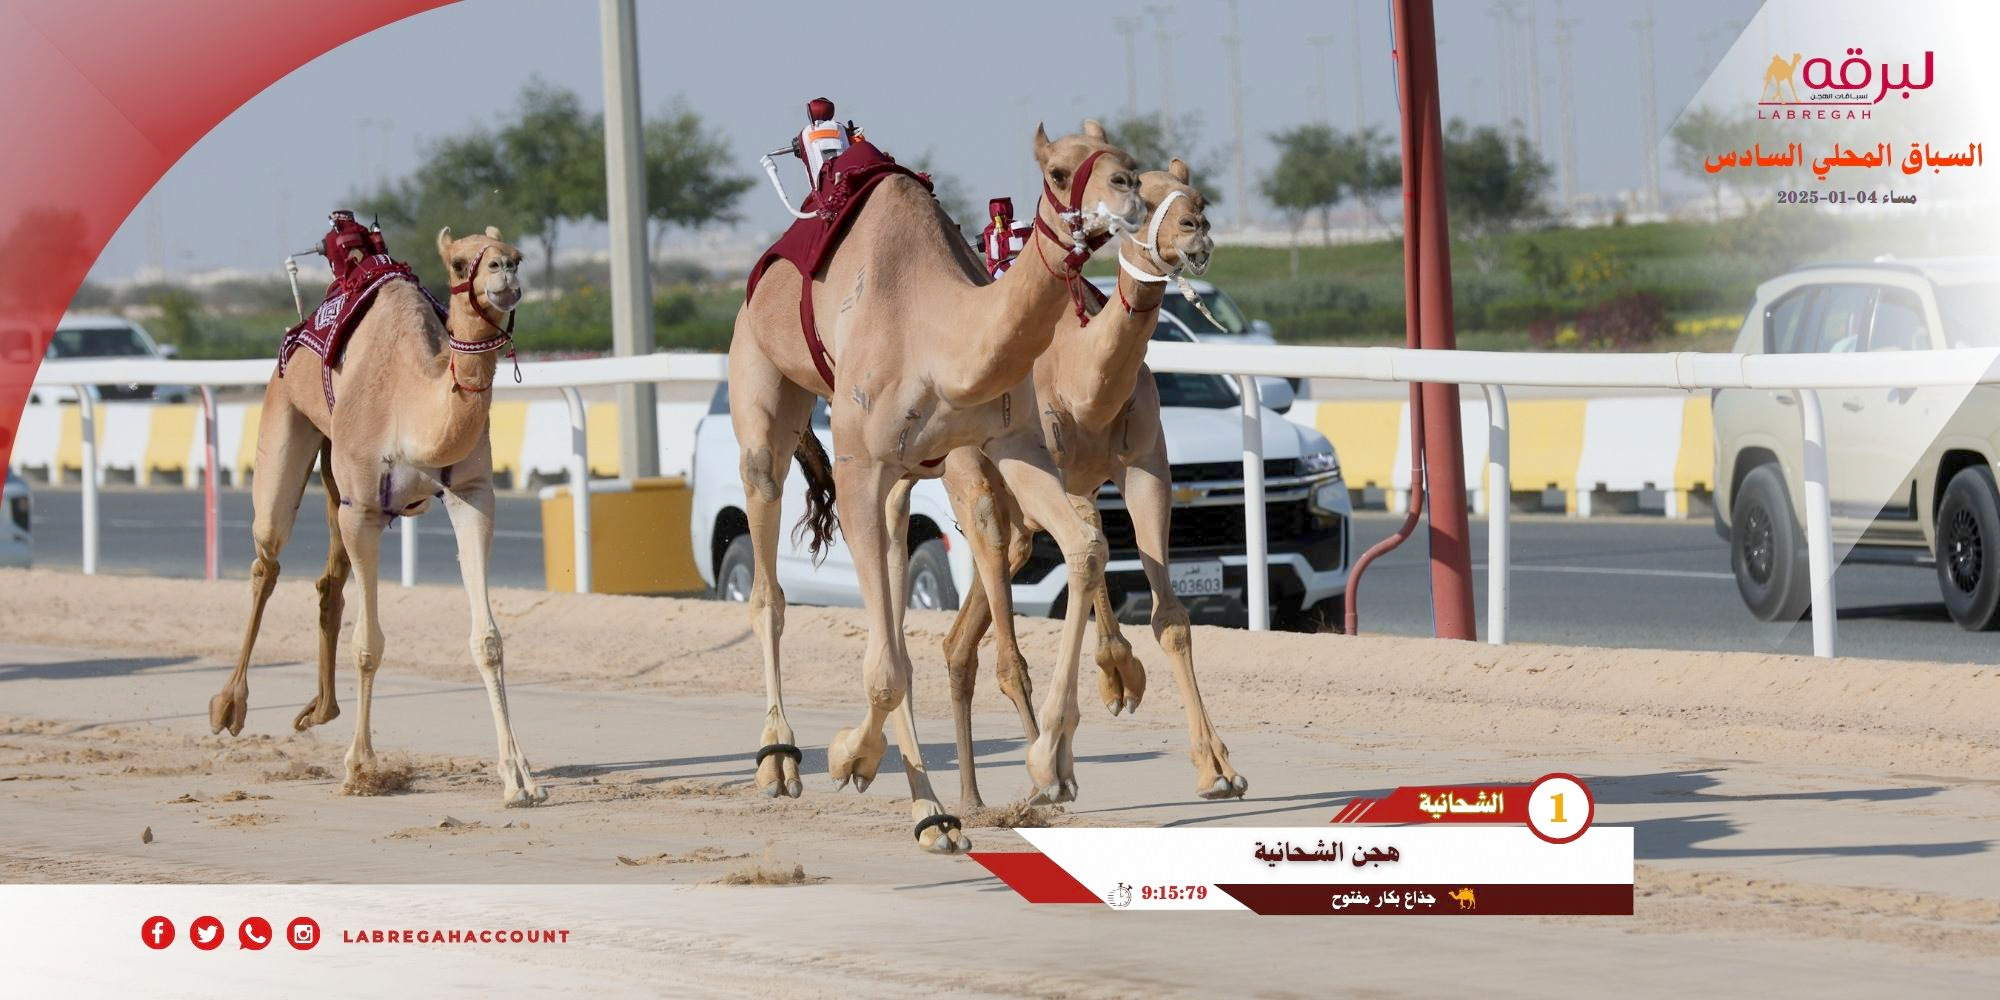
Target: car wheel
(931,588)
(1968,550)
(737,571)
(1766,549)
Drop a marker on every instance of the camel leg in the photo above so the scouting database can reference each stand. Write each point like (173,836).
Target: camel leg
(980,502)
(769,413)
(286,444)
(1148,494)
(874,509)
(469,504)
(1033,480)
(361,531)
(1121,678)
(323,708)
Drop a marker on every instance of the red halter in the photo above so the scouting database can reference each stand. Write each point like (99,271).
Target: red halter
(501,338)
(1079,250)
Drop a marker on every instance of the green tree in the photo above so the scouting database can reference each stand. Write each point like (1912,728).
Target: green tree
(688,183)
(1308,176)
(551,159)
(1373,169)
(1154,140)
(1493,184)
(1704,134)
(950,193)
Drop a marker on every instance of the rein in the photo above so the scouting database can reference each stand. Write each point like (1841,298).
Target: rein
(502,337)
(1151,244)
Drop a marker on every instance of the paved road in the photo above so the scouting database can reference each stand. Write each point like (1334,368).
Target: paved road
(1607,582)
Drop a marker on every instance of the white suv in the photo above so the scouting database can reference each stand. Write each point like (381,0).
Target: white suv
(1910,471)
(1307,516)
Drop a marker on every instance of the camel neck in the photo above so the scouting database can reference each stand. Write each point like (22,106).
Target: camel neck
(1094,368)
(1009,323)
(460,395)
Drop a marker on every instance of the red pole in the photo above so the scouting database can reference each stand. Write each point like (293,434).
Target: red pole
(1428,238)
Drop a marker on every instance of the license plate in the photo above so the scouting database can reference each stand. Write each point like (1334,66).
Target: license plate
(1195,579)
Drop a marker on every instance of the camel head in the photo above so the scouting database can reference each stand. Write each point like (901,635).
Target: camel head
(1176,227)
(1110,199)
(498,283)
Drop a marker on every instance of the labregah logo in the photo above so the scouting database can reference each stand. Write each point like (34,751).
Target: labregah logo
(1855,80)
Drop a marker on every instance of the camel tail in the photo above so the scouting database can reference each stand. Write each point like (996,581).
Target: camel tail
(820,520)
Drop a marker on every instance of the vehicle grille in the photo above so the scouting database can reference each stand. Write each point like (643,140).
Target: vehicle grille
(1209,530)
(1204,472)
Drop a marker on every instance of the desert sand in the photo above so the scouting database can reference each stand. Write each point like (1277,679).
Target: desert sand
(1802,826)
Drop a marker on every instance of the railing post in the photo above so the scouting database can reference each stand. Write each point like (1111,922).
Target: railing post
(1499,501)
(579,489)
(408,529)
(87,407)
(1257,566)
(210,520)
(1819,524)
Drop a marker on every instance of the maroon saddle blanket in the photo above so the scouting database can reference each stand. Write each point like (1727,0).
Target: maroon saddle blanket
(843,188)
(347,301)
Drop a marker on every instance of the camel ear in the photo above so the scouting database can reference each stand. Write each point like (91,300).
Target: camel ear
(444,242)
(1178,170)
(1042,145)
(492,232)
(1092,129)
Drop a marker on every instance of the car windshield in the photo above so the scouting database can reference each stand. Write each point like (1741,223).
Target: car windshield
(1218,302)
(1971,314)
(99,342)
(1212,392)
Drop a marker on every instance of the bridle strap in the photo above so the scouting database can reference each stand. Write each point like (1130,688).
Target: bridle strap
(503,335)
(1079,247)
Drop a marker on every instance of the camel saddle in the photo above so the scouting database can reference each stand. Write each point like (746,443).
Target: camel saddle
(347,300)
(844,185)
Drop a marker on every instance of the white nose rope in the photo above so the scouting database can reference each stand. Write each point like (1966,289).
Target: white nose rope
(1152,246)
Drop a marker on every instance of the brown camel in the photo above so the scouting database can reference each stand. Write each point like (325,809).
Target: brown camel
(930,356)
(410,422)
(1099,412)
(1779,74)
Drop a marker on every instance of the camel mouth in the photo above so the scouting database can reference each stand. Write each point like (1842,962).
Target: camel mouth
(504,299)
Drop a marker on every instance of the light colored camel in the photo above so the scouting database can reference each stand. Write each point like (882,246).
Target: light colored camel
(930,356)
(410,420)
(1779,74)
(1099,411)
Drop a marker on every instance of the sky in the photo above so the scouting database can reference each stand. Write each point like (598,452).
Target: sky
(963,85)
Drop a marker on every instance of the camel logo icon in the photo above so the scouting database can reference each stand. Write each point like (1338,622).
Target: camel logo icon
(1779,77)
(1466,901)
(1120,897)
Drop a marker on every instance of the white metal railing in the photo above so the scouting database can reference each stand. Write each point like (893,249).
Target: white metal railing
(1802,374)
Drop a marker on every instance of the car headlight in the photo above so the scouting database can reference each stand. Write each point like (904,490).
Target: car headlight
(1319,463)
(1327,495)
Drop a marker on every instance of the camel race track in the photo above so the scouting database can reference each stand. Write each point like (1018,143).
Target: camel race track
(1815,827)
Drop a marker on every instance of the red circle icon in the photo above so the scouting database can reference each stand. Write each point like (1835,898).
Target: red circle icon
(1560,808)
(157,932)
(253,934)
(302,933)
(205,933)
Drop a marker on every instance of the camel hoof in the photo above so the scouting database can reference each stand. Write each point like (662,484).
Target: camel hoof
(945,834)
(861,782)
(1242,784)
(848,757)
(793,788)
(227,709)
(949,843)
(1055,794)
(311,715)
(771,791)
(526,799)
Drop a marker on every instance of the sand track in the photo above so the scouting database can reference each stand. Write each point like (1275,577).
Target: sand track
(1808,825)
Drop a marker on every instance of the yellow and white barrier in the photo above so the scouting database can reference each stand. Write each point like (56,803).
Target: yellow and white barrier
(1574,446)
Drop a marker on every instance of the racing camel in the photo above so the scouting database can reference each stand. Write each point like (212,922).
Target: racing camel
(919,354)
(411,424)
(1099,416)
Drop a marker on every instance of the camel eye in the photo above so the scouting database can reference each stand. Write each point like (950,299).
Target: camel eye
(1187,224)
(1059,176)
(458,266)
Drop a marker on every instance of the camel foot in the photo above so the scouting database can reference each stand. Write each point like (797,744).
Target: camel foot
(518,788)
(1052,770)
(778,768)
(938,832)
(314,715)
(852,756)
(227,709)
(1121,681)
(525,797)
(1224,788)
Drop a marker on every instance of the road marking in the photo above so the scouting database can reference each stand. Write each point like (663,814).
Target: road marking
(1687,574)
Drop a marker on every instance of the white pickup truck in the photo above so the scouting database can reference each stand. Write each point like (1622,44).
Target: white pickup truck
(1307,516)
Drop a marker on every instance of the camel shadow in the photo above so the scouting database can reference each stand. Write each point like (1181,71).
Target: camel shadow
(71,670)
(1933,611)
(1680,837)
(1694,786)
